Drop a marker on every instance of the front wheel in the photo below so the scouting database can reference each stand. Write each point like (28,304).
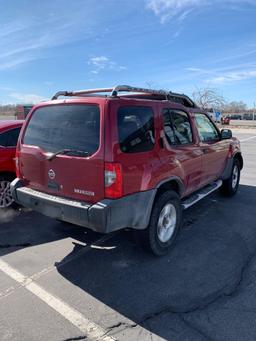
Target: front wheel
(230,185)
(164,224)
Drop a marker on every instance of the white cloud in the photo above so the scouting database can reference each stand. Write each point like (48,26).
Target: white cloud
(167,9)
(228,74)
(194,69)
(6,88)
(233,76)
(101,63)
(26,39)
(98,63)
(179,9)
(14,62)
(11,28)
(26,98)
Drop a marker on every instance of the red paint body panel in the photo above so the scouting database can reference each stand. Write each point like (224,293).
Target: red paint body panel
(79,178)
(7,154)
(194,165)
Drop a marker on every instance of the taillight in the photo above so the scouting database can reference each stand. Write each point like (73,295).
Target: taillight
(113,180)
(17,163)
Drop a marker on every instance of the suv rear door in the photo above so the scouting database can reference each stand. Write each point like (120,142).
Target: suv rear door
(62,151)
(181,154)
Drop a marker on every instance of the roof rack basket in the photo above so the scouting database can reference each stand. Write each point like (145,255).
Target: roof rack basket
(168,95)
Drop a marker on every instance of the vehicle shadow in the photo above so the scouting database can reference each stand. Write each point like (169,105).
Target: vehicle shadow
(21,228)
(215,243)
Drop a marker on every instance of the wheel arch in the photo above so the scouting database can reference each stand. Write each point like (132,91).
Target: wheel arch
(173,183)
(238,156)
(229,166)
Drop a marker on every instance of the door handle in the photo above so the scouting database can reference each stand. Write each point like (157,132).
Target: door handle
(205,150)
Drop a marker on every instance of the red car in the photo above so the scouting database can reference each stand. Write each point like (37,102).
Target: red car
(133,160)
(9,133)
(226,120)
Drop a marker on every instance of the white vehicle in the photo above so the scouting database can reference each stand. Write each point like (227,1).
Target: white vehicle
(215,116)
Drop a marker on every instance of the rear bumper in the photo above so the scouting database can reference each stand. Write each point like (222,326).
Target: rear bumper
(105,216)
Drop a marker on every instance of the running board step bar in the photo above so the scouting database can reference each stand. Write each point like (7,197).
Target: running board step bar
(201,194)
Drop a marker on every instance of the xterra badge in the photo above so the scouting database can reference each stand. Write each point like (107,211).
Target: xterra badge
(82,191)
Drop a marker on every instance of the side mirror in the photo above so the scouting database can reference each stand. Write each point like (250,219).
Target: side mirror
(226,134)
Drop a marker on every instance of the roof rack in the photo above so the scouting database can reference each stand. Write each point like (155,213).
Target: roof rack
(168,95)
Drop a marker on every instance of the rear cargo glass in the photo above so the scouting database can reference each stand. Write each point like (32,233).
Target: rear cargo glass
(58,127)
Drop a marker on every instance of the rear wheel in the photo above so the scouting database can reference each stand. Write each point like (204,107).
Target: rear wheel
(164,224)
(230,186)
(6,199)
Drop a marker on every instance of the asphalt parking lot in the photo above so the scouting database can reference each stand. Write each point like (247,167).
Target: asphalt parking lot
(59,282)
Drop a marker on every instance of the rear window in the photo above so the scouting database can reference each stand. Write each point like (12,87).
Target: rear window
(58,127)
(136,129)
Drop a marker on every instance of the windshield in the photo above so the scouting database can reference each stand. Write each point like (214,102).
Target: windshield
(58,127)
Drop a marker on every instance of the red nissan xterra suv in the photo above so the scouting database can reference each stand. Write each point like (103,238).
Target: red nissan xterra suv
(134,160)
(9,133)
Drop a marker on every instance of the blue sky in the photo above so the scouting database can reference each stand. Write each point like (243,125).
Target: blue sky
(179,45)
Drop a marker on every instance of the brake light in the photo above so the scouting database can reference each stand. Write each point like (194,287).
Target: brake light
(113,180)
(17,163)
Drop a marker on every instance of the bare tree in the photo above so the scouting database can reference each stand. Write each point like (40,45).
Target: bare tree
(235,107)
(7,109)
(208,98)
(150,84)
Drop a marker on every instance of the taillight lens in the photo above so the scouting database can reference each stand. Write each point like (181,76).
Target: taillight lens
(17,163)
(113,180)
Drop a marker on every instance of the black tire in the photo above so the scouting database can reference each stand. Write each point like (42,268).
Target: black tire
(6,200)
(149,238)
(230,185)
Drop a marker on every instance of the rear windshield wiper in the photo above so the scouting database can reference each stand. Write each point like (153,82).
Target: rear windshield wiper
(66,151)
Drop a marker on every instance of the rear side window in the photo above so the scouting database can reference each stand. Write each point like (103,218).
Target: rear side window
(136,129)
(168,127)
(177,127)
(58,127)
(10,138)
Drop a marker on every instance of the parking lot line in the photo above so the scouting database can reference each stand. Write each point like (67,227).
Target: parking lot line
(248,138)
(89,328)
(86,248)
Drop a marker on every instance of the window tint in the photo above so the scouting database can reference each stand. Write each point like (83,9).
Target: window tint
(177,127)
(58,127)
(136,129)
(206,129)
(9,138)
(13,136)
(168,128)
(3,139)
